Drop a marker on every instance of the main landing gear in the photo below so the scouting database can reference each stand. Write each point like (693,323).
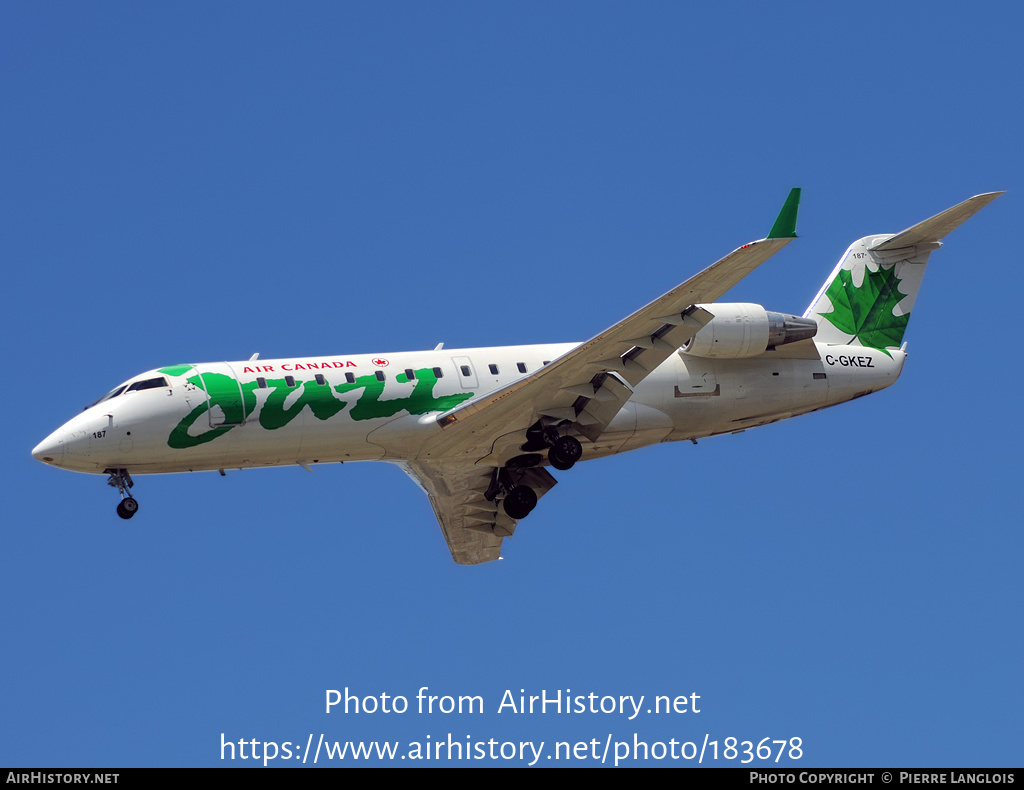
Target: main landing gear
(563,451)
(122,481)
(518,499)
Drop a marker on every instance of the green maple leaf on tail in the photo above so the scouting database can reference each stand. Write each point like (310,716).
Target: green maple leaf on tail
(867,312)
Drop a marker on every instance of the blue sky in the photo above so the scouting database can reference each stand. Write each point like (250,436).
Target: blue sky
(197,182)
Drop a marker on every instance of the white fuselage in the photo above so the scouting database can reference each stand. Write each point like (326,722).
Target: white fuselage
(331,409)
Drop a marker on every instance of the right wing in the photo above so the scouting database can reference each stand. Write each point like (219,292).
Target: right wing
(588,385)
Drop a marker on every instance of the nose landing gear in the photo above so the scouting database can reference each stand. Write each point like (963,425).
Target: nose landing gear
(122,481)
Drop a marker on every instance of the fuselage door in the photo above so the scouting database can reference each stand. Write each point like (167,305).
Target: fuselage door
(696,378)
(223,394)
(466,371)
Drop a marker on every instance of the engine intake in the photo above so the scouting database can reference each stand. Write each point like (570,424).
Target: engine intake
(740,329)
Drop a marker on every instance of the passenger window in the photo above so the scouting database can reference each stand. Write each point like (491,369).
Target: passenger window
(438,373)
(410,374)
(493,369)
(289,381)
(380,375)
(466,371)
(350,378)
(521,366)
(261,382)
(320,379)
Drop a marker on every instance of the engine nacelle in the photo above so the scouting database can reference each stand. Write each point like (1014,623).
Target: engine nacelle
(741,330)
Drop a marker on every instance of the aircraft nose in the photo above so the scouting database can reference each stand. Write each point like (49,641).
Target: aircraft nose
(51,449)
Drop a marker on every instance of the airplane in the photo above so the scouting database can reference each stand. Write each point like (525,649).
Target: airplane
(478,428)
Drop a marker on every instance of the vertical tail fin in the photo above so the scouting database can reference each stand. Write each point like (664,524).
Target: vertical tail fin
(867,299)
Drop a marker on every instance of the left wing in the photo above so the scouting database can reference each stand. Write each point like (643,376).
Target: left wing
(473,526)
(585,387)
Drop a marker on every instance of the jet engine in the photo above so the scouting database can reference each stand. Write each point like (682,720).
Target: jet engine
(740,330)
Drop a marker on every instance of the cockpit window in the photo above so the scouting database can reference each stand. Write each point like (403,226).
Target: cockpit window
(149,384)
(145,384)
(112,394)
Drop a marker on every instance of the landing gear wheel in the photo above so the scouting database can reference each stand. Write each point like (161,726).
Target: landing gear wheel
(565,452)
(519,502)
(127,508)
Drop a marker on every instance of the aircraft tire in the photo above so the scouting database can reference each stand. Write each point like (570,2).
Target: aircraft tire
(519,502)
(565,452)
(561,466)
(127,508)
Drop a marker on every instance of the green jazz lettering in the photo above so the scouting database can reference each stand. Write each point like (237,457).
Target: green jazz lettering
(282,406)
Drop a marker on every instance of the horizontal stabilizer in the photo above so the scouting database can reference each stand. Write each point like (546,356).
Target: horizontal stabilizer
(938,227)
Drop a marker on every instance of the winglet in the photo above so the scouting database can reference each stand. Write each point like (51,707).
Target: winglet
(785,225)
